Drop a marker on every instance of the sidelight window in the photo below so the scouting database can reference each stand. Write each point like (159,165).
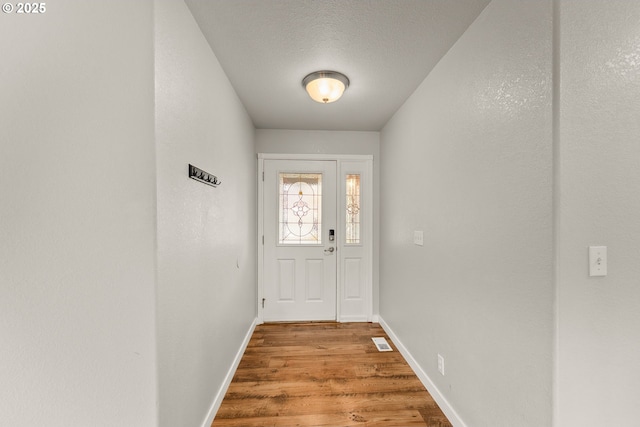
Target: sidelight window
(352,228)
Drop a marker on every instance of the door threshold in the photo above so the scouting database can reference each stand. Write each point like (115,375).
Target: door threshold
(280,322)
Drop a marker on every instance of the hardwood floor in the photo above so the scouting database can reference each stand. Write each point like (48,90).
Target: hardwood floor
(325,374)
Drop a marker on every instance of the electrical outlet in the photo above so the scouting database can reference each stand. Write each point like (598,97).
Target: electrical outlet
(418,238)
(441,364)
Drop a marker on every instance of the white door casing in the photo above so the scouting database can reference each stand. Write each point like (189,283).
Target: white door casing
(309,282)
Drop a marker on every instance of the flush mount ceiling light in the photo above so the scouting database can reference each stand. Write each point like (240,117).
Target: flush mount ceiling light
(325,86)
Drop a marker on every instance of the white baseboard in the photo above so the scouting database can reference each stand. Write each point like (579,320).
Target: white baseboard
(448,410)
(227,380)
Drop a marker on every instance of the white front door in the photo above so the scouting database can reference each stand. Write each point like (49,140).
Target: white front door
(300,251)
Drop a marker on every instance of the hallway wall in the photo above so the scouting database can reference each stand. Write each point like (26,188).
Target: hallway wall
(468,160)
(598,373)
(206,236)
(77,216)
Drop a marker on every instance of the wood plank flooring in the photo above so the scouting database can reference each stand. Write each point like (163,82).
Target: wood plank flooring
(325,374)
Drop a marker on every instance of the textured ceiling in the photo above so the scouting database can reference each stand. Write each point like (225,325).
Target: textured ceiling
(385,47)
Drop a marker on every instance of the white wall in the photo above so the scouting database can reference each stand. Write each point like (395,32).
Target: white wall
(317,142)
(599,163)
(332,142)
(206,236)
(468,160)
(77,216)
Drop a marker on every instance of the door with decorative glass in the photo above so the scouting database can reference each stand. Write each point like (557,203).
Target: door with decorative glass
(300,251)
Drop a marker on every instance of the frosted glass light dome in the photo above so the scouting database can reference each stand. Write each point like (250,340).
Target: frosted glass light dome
(325,86)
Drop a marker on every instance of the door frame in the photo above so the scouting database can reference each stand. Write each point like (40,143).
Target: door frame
(342,162)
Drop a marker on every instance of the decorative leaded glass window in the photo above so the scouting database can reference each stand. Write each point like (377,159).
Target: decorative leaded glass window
(352,229)
(300,209)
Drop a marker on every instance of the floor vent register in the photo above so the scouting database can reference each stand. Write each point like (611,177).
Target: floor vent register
(382,344)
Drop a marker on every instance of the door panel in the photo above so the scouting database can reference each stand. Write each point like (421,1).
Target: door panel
(300,280)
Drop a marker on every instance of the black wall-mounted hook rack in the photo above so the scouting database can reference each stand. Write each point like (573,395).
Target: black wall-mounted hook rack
(202,176)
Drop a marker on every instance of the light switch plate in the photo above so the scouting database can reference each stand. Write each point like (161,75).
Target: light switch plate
(597,261)
(418,238)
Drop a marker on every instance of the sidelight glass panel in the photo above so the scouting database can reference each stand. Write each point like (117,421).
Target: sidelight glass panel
(300,209)
(352,229)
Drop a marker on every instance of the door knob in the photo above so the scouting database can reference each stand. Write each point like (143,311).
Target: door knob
(330,250)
